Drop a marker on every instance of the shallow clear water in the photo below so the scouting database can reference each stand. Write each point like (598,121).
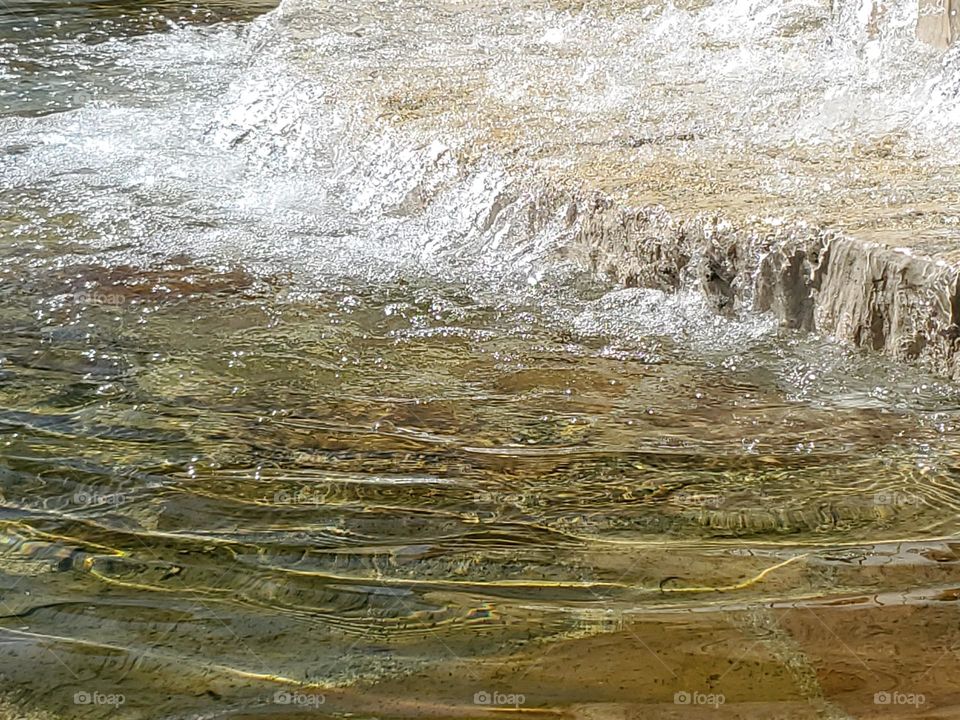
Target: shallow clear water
(298,419)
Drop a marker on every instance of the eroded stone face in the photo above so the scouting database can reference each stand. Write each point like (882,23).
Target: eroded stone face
(938,22)
(811,279)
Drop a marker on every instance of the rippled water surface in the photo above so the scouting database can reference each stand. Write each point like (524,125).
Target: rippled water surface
(296,419)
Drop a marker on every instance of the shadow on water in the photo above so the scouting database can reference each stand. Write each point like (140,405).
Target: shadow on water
(42,69)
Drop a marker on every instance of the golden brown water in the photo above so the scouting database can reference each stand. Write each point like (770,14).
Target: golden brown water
(258,459)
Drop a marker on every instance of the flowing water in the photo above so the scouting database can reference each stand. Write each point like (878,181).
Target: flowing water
(304,413)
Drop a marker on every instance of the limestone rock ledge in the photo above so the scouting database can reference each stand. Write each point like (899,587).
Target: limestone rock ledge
(890,300)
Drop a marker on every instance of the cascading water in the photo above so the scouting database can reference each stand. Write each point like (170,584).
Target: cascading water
(309,406)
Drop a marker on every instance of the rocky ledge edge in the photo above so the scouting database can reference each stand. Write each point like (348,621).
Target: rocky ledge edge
(904,305)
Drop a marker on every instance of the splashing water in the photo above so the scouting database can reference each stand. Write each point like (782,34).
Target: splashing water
(306,409)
